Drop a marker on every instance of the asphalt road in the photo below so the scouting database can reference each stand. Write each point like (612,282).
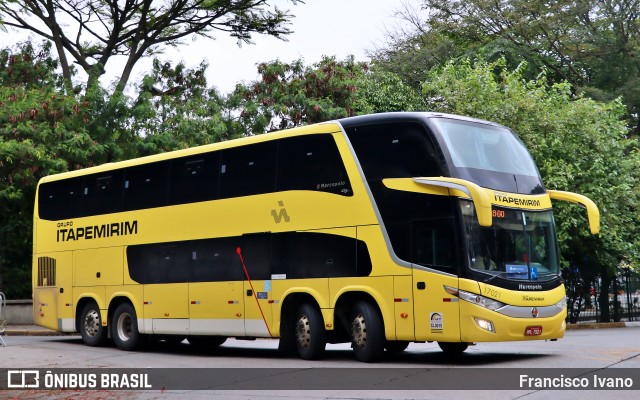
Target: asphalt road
(580,355)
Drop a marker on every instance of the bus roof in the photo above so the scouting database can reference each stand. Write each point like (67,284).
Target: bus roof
(324,127)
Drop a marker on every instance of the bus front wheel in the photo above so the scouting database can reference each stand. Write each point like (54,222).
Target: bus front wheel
(91,329)
(396,346)
(124,327)
(309,332)
(453,348)
(367,332)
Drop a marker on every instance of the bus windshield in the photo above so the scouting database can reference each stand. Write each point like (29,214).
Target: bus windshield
(520,244)
(490,155)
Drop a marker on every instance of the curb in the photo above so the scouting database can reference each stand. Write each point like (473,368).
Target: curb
(597,325)
(33,331)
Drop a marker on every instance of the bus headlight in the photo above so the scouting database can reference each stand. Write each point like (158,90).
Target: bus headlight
(485,324)
(477,299)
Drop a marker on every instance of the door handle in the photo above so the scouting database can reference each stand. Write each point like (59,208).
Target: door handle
(421,286)
(249,292)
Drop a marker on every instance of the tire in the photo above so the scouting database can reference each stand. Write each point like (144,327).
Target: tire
(309,332)
(90,326)
(287,346)
(367,332)
(206,342)
(453,348)
(396,346)
(124,328)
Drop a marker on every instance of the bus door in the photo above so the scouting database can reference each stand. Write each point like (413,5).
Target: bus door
(258,294)
(165,291)
(216,291)
(434,251)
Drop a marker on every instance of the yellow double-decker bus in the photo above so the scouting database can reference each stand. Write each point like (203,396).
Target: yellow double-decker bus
(378,230)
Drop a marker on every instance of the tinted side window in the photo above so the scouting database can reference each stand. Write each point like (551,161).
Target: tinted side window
(194,178)
(248,170)
(215,260)
(434,243)
(319,255)
(146,186)
(421,228)
(256,252)
(395,150)
(61,199)
(311,162)
(103,193)
(294,254)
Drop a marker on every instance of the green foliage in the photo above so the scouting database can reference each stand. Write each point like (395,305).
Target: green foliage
(579,145)
(593,45)
(382,91)
(41,132)
(176,110)
(289,95)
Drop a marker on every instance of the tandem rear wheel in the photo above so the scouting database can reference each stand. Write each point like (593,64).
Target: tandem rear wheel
(309,334)
(124,328)
(90,326)
(367,332)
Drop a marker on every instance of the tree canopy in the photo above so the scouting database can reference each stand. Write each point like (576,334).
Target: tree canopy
(89,33)
(593,45)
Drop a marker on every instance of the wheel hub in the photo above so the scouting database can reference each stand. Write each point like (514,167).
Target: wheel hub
(303,332)
(92,323)
(124,327)
(359,331)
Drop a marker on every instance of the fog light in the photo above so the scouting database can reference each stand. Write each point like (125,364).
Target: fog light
(484,324)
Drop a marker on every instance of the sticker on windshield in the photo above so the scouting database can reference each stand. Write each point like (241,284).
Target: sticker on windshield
(516,271)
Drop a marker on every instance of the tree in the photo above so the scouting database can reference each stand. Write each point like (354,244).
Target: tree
(176,110)
(579,145)
(591,44)
(91,32)
(291,94)
(41,132)
(382,91)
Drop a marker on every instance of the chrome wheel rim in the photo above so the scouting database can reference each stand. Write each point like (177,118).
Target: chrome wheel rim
(124,327)
(359,331)
(303,332)
(92,323)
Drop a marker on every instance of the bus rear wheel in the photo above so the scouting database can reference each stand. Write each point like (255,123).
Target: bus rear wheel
(124,325)
(90,325)
(367,332)
(453,348)
(309,332)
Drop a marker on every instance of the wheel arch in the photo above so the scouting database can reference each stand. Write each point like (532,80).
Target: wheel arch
(290,304)
(82,303)
(344,305)
(116,301)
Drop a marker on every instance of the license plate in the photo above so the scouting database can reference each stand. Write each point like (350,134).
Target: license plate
(533,331)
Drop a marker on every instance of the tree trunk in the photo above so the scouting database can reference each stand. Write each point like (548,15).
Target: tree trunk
(603,298)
